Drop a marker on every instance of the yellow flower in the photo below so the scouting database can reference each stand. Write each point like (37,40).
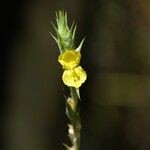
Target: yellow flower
(74,77)
(69,59)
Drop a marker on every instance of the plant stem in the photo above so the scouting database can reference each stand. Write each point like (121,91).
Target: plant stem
(75,121)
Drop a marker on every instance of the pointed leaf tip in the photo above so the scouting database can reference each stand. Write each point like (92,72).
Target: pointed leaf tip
(54,37)
(80,45)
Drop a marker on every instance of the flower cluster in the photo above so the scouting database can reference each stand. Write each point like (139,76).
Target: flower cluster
(69,58)
(73,75)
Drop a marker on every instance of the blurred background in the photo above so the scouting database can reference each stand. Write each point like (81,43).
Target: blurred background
(115,107)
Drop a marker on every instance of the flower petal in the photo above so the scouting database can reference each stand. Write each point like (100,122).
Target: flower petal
(69,59)
(74,77)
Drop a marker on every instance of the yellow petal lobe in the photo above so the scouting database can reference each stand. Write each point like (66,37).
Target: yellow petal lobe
(69,59)
(74,77)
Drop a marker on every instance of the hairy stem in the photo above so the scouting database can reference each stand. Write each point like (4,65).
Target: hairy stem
(76,122)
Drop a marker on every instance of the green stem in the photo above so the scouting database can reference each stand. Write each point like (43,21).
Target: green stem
(75,121)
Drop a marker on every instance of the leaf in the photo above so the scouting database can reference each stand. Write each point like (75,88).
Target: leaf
(80,45)
(67,147)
